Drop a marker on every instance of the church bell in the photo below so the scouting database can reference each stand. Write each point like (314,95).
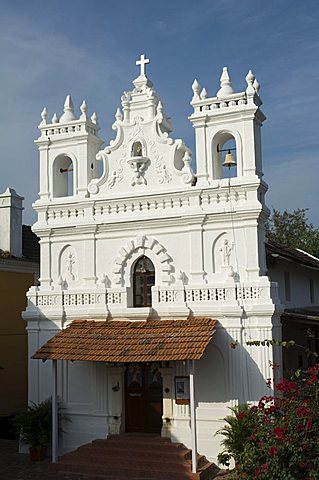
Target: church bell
(229,160)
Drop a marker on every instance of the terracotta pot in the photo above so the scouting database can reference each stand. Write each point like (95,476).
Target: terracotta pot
(37,453)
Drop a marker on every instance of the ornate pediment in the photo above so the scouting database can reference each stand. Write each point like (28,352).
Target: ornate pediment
(142,158)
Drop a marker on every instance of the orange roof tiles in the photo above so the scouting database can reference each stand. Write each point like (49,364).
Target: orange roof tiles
(123,341)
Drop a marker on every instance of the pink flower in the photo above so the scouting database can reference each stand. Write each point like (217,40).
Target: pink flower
(241,415)
(309,425)
(272,451)
(280,432)
(286,386)
(303,411)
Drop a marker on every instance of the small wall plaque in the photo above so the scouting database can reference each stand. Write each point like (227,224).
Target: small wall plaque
(182,390)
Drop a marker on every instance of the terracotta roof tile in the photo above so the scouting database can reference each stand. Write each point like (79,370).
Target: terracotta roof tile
(123,341)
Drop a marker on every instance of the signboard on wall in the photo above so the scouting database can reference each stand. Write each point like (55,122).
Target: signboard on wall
(182,390)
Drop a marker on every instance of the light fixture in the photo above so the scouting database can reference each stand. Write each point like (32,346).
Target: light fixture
(229,157)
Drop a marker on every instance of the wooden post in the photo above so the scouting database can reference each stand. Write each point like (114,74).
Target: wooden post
(193,414)
(54,413)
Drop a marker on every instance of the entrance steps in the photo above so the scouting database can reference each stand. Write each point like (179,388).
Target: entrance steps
(134,457)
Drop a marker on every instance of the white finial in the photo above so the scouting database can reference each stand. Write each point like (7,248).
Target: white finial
(203,94)
(159,108)
(44,116)
(68,115)
(84,110)
(55,119)
(94,118)
(68,104)
(196,88)
(226,88)
(142,62)
(256,85)
(118,115)
(250,78)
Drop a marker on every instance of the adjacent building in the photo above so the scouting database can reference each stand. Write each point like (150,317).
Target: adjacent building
(19,269)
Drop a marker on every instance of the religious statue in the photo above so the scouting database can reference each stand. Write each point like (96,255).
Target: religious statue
(70,261)
(225,251)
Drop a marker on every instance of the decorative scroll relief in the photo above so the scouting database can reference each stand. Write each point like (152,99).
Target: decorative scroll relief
(187,172)
(143,244)
(164,174)
(138,165)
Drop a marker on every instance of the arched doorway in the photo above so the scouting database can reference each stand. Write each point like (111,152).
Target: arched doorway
(143,398)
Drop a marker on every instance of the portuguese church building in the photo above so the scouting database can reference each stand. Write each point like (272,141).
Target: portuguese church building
(152,269)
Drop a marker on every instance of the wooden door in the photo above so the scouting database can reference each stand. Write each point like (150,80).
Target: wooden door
(143,398)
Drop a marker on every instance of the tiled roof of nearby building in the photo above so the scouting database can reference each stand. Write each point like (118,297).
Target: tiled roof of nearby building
(291,254)
(305,313)
(124,341)
(30,247)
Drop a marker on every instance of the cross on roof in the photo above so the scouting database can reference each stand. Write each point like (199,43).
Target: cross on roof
(142,62)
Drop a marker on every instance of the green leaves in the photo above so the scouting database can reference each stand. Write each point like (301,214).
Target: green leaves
(278,438)
(293,230)
(273,342)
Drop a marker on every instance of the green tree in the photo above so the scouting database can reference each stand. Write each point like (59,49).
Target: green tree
(293,230)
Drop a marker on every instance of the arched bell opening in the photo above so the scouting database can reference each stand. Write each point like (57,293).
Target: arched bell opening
(225,155)
(63,177)
(143,281)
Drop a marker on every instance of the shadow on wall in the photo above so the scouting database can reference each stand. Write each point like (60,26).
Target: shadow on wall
(225,374)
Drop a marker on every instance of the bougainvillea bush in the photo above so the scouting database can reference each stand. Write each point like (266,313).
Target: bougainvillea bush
(278,439)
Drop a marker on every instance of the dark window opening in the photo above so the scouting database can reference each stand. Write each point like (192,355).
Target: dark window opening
(287,286)
(312,290)
(143,281)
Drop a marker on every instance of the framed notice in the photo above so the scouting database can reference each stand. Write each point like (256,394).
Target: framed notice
(182,390)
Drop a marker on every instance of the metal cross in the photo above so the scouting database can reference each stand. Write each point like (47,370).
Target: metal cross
(142,62)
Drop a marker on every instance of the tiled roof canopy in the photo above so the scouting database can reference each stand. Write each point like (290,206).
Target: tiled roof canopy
(123,341)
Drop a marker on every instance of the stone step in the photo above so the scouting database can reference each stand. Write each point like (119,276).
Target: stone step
(134,449)
(136,442)
(180,462)
(134,457)
(204,473)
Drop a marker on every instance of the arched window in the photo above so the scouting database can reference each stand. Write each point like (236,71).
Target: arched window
(143,280)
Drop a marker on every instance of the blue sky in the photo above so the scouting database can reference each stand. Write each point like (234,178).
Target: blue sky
(88,49)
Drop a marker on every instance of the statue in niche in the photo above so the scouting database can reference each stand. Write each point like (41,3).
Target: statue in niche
(225,251)
(70,261)
(137,149)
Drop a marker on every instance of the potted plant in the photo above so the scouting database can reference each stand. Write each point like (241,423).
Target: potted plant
(34,425)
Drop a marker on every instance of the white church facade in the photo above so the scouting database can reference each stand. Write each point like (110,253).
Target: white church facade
(152,240)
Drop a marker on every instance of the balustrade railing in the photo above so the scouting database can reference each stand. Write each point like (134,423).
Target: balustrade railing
(117,298)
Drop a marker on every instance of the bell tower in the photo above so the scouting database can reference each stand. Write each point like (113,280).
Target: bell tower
(229,118)
(68,146)
(229,167)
